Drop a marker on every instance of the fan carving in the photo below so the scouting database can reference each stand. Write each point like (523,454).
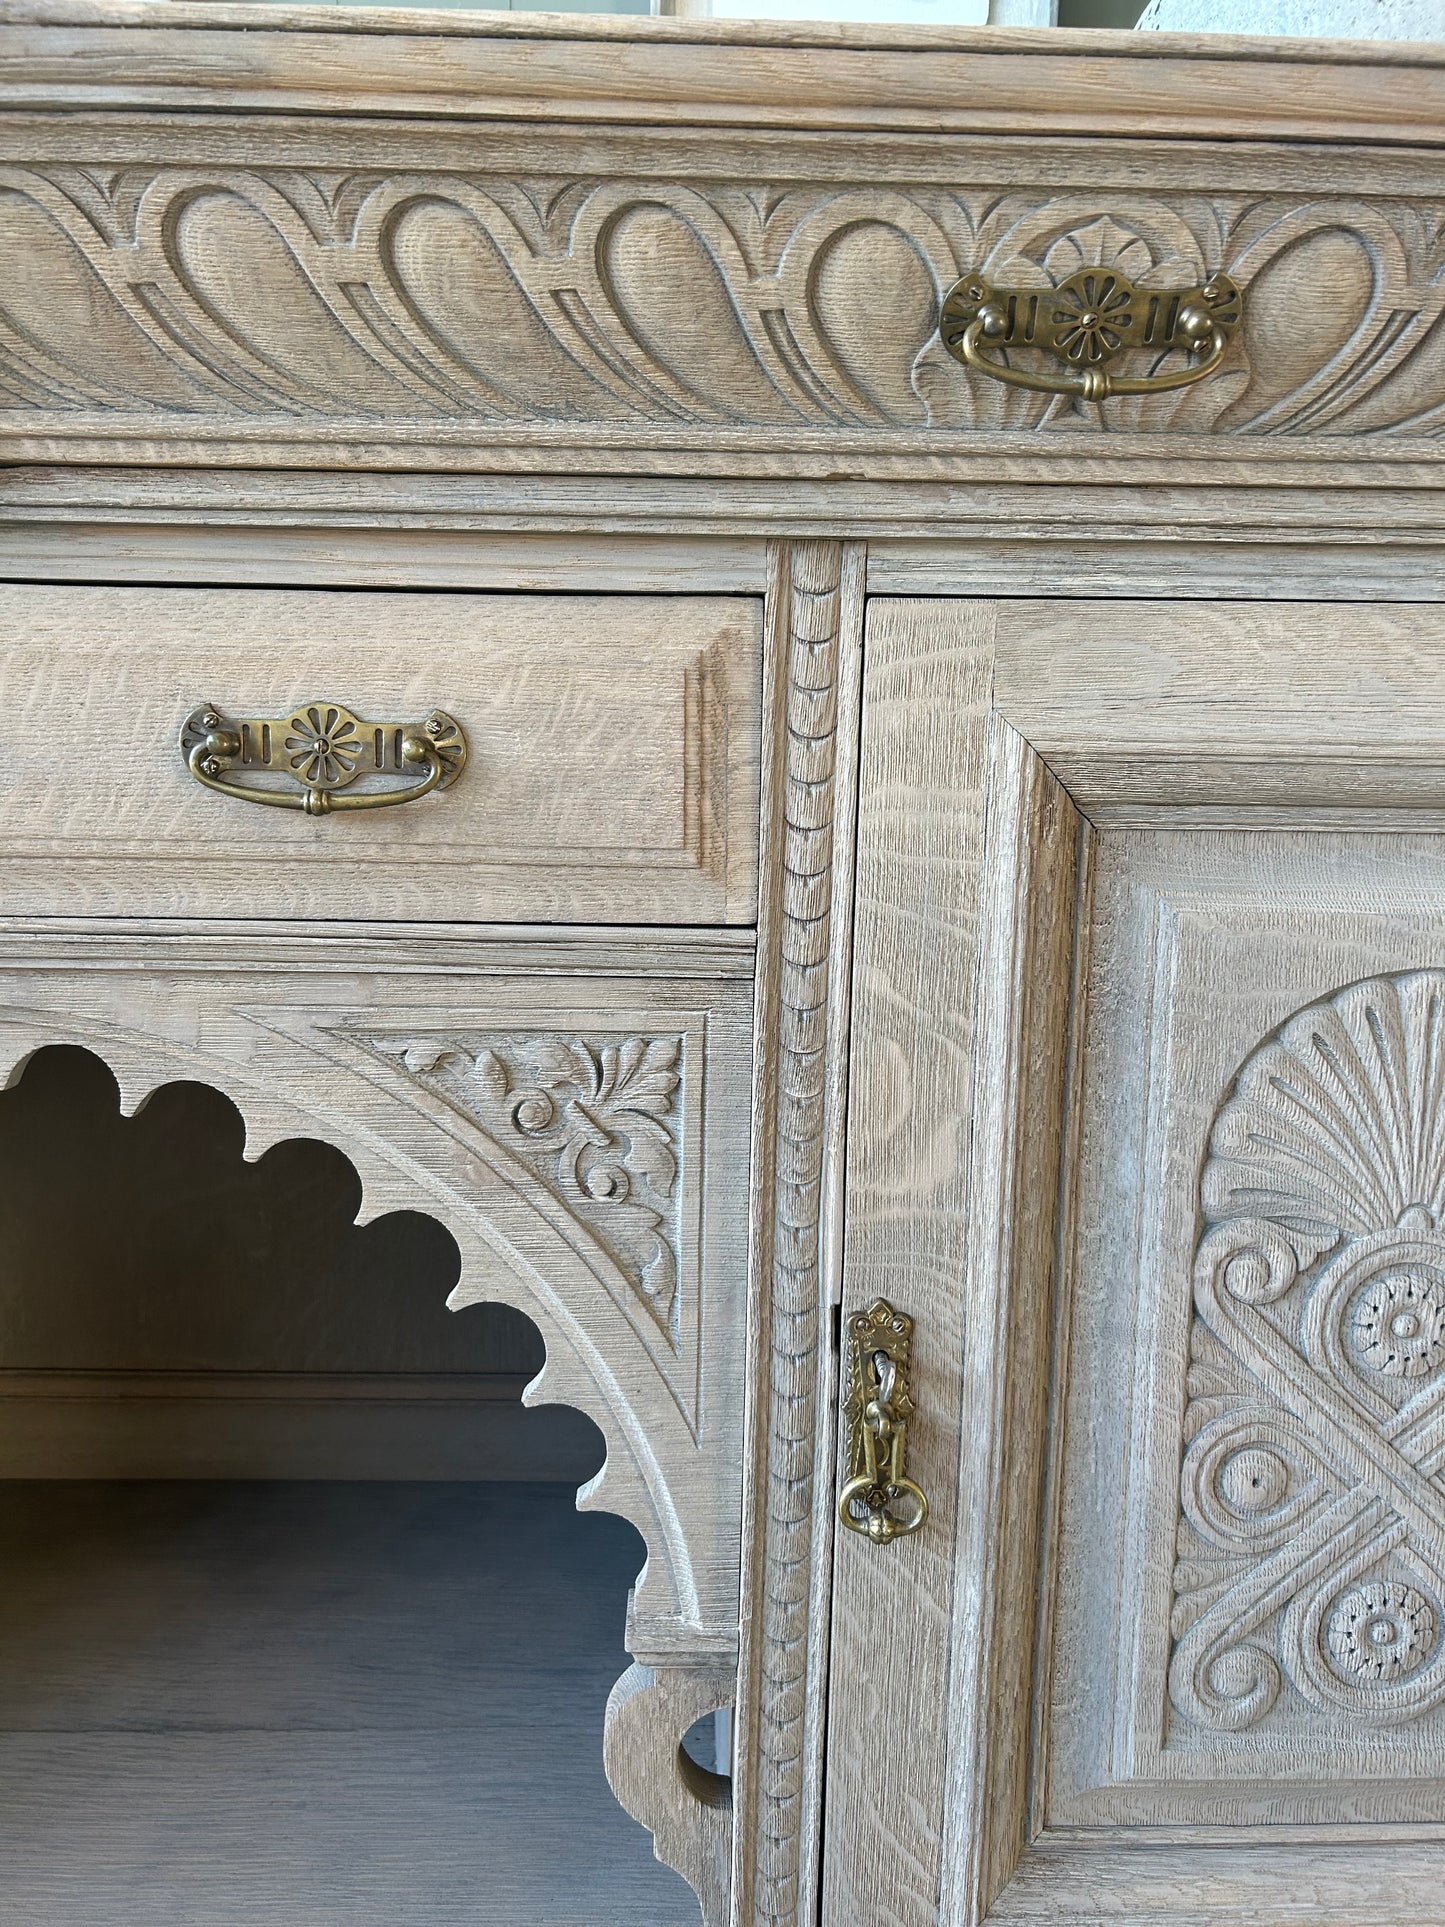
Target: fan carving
(1311,1559)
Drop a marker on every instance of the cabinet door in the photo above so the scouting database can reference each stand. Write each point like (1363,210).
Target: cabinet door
(1147,1134)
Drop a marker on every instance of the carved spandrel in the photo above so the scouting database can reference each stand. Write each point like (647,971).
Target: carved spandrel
(432,298)
(1311,1565)
(596,1120)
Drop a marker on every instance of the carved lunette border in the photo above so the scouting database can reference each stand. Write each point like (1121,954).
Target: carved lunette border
(811,718)
(181,310)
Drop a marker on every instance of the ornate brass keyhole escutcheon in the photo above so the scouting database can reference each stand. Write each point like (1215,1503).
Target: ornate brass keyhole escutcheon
(1084,323)
(878,1498)
(321,749)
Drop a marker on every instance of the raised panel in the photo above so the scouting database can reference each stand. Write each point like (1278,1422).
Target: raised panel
(612,772)
(1248,1619)
(1195,1586)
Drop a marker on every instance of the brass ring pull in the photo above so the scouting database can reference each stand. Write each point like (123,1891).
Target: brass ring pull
(876,1521)
(322,748)
(877,1410)
(1084,323)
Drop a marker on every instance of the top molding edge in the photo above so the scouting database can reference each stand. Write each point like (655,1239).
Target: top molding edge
(174,56)
(478,23)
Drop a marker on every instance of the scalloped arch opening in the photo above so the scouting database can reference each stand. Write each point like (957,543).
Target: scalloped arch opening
(256,1644)
(207,1255)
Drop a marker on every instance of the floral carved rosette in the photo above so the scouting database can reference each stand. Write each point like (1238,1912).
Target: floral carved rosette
(1311,1557)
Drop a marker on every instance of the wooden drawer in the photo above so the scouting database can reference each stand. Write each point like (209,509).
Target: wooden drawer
(611,773)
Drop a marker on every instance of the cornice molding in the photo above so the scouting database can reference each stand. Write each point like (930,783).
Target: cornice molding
(157,54)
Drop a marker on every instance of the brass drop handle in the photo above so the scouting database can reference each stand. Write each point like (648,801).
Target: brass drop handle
(878,1406)
(321,748)
(1085,322)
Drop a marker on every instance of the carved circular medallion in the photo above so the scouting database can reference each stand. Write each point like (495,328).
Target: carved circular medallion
(1398,1322)
(1254,1480)
(1380,1631)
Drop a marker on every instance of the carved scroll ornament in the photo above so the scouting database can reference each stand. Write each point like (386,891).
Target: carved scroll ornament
(197,297)
(595,1120)
(1312,1544)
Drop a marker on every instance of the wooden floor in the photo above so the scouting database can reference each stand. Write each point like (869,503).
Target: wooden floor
(367,1705)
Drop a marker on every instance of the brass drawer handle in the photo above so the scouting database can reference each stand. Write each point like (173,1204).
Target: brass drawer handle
(322,748)
(1084,322)
(876,1411)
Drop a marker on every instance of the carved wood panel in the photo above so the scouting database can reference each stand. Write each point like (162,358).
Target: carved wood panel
(1312,1544)
(393,1049)
(1192,1590)
(598,1120)
(576,1115)
(429,304)
(1257,1369)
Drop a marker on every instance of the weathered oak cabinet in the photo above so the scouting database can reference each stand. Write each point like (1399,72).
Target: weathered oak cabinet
(924,836)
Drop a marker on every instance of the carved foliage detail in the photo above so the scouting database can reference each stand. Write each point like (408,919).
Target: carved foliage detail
(420,298)
(595,1120)
(1311,1562)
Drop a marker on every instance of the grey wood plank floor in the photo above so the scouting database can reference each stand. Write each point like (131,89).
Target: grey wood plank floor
(241,1704)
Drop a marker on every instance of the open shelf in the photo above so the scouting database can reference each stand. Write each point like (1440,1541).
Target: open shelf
(367,1704)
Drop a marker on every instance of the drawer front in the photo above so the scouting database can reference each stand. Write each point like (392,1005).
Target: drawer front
(611,773)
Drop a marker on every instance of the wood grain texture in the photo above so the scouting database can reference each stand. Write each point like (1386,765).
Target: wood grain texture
(1198,1689)
(687,1809)
(579,1133)
(298,261)
(370,557)
(1191,558)
(1191,712)
(312,1038)
(1214,1887)
(1242,1808)
(253,309)
(612,773)
(596,309)
(814,665)
(1208,1093)
(1238,536)
(1026,934)
(332,1704)
(959,81)
(919,900)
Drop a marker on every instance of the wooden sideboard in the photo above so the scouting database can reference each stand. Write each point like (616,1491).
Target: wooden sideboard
(923,838)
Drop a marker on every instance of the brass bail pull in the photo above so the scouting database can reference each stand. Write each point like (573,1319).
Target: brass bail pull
(1084,323)
(878,1498)
(309,758)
